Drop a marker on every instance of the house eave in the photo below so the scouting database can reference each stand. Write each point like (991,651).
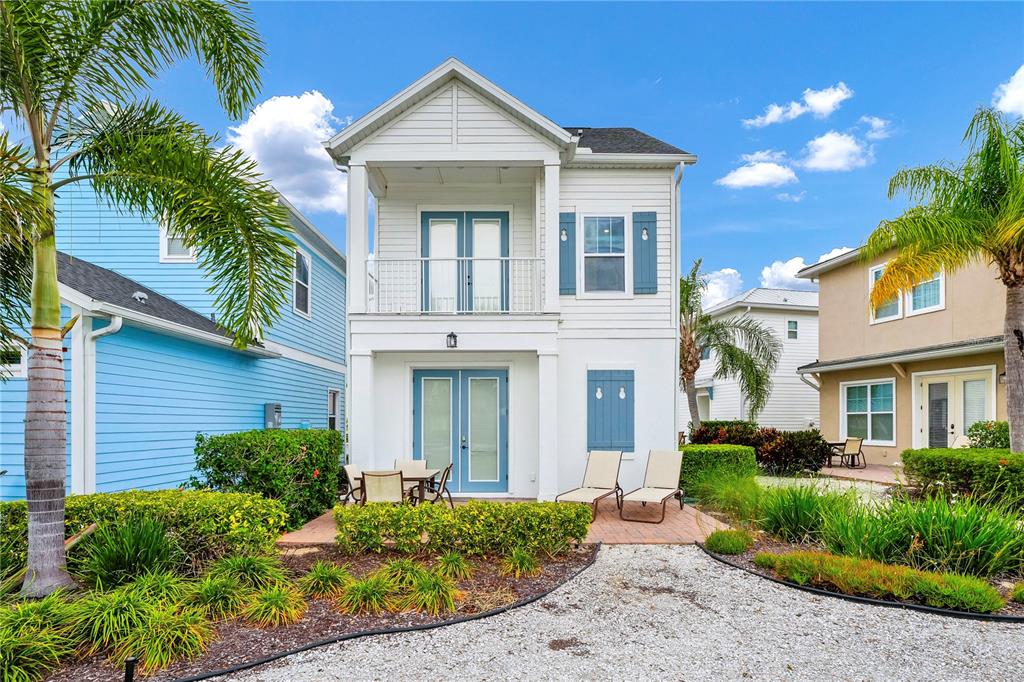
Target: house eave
(813,271)
(988,345)
(605,160)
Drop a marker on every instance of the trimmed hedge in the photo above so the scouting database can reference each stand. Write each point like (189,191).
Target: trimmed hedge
(989,434)
(732,432)
(699,459)
(300,467)
(206,525)
(778,452)
(866,578)
(475,528)
(993,472)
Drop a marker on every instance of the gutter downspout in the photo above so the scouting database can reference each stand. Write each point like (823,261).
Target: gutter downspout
(815,386)
(676,262)
(85,397)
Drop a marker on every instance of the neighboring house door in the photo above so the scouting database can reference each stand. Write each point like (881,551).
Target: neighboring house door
(949,404)
(461,417)
(466,261)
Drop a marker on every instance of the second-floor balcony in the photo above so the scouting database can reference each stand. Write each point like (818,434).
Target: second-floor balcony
(489,286)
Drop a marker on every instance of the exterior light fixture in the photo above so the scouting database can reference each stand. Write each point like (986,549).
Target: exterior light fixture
(563,235)
(598,393)
(451,341)
(644,234)
(1001,378)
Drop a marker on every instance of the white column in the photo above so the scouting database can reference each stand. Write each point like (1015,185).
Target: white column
(361,426)
(358,232)
(547,425)
(551,203)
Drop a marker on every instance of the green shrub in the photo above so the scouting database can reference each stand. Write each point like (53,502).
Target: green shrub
(991,474)
(325,579)
(729,542)
(796,513)
(117,554)
(52,613)
(453,566)
(275,606)
(729,491)
(934,534)
(29,656)
(167,634)
(989,434)
(204,525)
(299,467)
(791,452)
(432,593)
(474,528)
(698,459)
(218,598)
(1017,593)
(520,562)
(724,431)
(867,578)
(160,587)
(373,594)
(402,572)
(104,619)
(255,572)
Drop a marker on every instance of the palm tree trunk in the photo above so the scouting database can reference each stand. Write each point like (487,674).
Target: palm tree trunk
(1013,352)
(691,401)
(45,415)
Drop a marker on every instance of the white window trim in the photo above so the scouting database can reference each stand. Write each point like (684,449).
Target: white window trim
(18,371)
(309,286)
(871,308)
(796,330)
(339,415)
(842,409)
(941,305)
(627,238)
(166,257)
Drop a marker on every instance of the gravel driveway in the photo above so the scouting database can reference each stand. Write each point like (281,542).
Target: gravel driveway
(670,612)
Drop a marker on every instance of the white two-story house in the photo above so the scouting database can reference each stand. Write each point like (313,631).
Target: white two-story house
(516,305)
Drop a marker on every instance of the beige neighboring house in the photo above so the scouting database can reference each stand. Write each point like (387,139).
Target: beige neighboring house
(917,372)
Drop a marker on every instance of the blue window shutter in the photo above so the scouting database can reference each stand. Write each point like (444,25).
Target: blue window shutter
(567,253)
(610,418)
(645,253)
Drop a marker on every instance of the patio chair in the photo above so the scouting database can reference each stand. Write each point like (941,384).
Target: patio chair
(436,491)
(353,491)
(600,480)
(383,486)
(852,455)
(661,483)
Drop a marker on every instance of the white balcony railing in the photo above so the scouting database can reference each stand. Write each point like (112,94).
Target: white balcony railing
(454,285)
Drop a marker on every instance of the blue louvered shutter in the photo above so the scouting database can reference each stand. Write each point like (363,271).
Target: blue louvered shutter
(610,410)
(567,253)
(645,253)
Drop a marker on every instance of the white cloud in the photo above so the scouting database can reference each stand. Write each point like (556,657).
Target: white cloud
(838,251)
(772,155)
(819,103)
(782,274)
(721,284)
(1009,96)
(284,136)
(835,152)
(794,198)
(880,128)
(761,169)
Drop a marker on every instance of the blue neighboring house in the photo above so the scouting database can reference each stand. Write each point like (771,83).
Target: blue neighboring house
(147,367)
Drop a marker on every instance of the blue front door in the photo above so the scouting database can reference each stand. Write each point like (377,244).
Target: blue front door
(461,417)
(466,266)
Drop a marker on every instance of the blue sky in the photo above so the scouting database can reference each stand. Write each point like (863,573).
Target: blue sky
(687,73)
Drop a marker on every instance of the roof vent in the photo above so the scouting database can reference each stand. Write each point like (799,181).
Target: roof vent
(141,297)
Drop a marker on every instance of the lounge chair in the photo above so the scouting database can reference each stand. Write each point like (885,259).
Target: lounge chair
(436,491)
(383,486)
(354,491)
(661,483)
(600,480)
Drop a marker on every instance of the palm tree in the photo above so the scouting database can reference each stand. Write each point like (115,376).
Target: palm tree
(744,348)
(71,77)
(962,214)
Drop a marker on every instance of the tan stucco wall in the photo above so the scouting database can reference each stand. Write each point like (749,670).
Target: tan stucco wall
(830,398)
(975,302)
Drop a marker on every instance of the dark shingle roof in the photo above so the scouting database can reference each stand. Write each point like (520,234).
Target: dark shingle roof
(621,141)
(105,285)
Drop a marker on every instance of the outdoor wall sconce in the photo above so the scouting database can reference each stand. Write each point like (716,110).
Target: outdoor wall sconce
(451,341)
(644,234)
(598,393)
(1001,378)
(563,235)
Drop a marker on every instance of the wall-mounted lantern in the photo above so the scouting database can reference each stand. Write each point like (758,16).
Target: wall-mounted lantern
(451,341)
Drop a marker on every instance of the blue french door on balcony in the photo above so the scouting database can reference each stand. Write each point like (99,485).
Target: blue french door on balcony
(468,270)
(461,417)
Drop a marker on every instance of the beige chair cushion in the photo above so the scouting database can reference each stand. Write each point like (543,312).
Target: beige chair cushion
(649,495)
(663,469)
(602,469)
(586,495)
(383,486)
(353,473)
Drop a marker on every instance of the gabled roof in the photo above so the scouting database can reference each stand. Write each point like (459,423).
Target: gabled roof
(621,141)
(763,297)
(102,290)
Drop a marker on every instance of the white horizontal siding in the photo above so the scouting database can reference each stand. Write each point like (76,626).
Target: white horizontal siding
(428,125)
(481,123)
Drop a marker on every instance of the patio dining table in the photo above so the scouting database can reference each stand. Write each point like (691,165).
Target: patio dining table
(414,475)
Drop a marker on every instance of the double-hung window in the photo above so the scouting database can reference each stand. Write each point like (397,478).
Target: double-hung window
(792,329)
(927,296)
(334,409)
(891,309)
(869,412)
(13,362)
(303,278)
(604,254)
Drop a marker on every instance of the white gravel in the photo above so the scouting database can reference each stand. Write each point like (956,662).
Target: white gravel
(670,612)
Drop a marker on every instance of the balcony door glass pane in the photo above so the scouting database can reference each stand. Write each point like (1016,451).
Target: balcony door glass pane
(486,266)
(443,265)
(483,429)
(437,422)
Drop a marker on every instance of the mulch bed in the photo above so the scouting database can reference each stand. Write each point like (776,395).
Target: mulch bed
(765,543)
(237,643)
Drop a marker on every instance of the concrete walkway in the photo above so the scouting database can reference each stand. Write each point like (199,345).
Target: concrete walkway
(672,613)
(874,473)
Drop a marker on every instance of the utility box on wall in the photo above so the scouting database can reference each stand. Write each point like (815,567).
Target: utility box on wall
(272,415)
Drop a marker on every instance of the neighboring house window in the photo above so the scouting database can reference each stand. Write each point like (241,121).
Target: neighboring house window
(334,410)
(303,274)
(604,254)
(172,247)
(892,309)
(927,296)
(705,353)
(610,410)
(869,412)
(792,329)
(13,363)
